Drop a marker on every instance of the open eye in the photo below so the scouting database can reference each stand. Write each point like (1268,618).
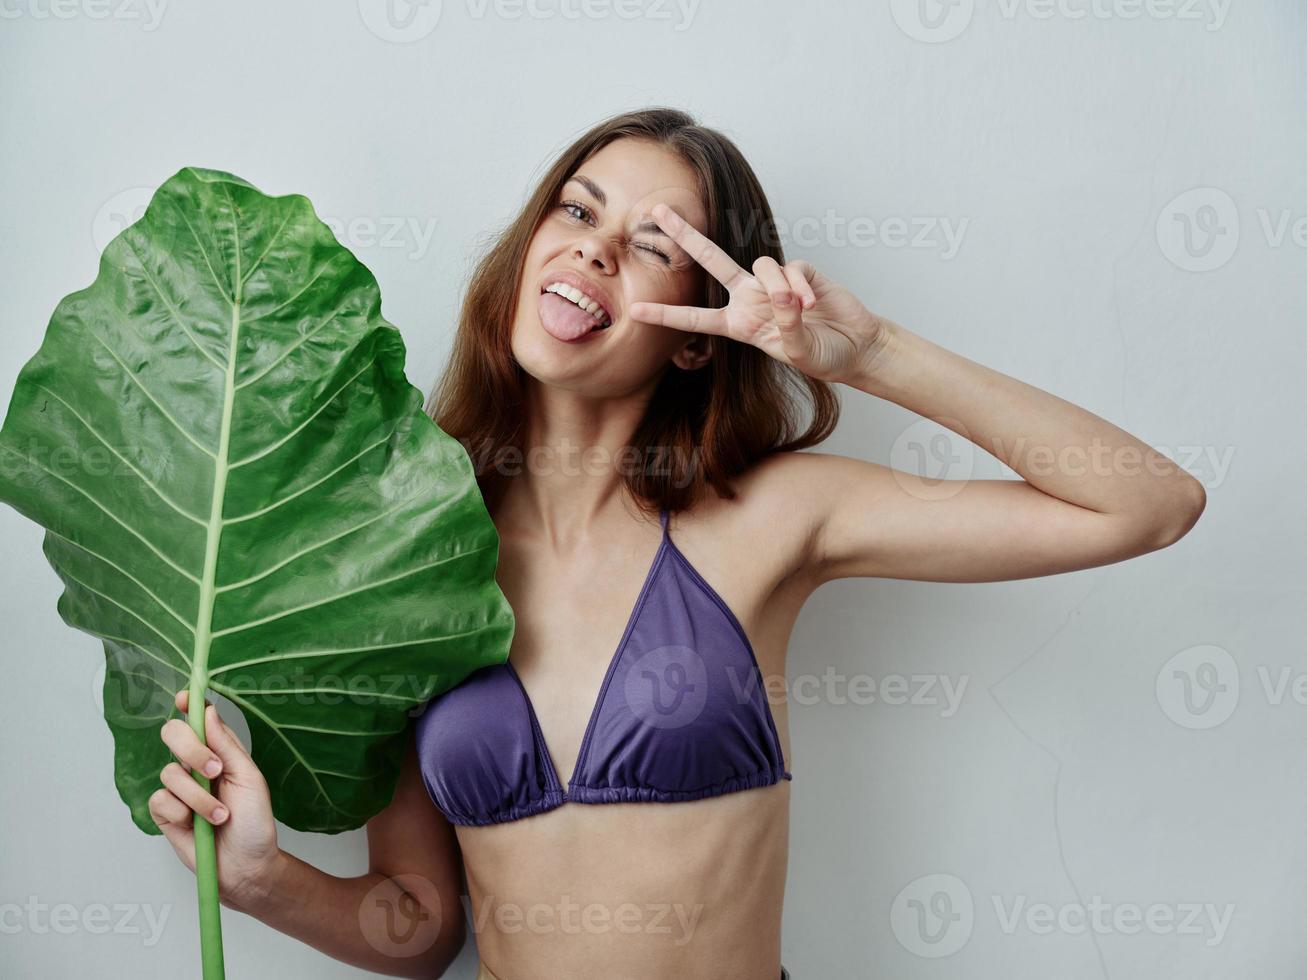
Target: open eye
(571,208)
(579,212)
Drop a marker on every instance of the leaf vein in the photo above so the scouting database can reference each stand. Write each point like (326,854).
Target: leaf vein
(312,548)
(281,306)
(347,593)
(176,314)
(298,654)
(144,479)
(132,643)
(157,404)
(295,431)
(189,627)
(205,253)
(287,499)
(271,241)
(313,773)
(116,519)
(135,615)
(330,319)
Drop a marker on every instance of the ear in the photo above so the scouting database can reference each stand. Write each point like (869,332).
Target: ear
(694,353)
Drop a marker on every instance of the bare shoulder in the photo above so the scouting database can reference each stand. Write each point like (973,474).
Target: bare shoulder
(755,549)
(771,528)
(795,489)
(801,482)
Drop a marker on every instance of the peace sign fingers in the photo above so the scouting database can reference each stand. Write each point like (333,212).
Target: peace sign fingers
(694,319)
(699,247)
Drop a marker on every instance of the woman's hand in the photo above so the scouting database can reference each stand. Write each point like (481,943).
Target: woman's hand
(792,312)
(245,834)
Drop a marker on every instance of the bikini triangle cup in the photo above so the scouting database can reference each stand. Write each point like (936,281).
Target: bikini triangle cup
(682,714)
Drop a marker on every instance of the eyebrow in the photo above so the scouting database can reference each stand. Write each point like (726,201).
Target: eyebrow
(595,190)
(649,225)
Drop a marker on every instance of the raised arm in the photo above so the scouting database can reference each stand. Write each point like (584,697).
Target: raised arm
(1090,494)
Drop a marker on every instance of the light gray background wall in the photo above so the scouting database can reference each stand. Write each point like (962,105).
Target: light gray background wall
(1066,147)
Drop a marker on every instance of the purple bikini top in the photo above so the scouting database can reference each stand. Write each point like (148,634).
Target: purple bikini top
(682,714)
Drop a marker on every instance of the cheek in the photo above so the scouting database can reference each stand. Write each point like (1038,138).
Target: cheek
(690,285)
(533,264)
(674,288)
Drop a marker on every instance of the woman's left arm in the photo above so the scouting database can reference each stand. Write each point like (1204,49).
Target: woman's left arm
(1090,494)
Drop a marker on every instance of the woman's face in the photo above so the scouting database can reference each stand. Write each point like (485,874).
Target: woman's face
(600,229)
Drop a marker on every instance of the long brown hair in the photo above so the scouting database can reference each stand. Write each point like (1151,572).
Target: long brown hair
(701,427)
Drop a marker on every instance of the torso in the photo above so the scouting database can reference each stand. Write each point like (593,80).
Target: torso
(640,890)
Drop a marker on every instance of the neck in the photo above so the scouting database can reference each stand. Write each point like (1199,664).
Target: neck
(568,484)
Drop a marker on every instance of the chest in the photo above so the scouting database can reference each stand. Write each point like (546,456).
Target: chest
(571,613)
(631,679)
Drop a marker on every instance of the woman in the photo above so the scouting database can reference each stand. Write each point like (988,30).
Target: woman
(625,375)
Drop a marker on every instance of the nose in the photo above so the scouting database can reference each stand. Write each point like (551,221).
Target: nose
(596,249)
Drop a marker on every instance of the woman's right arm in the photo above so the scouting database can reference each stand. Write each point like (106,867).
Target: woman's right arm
(403,918)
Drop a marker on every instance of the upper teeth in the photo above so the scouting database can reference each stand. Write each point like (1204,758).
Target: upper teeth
(579,298)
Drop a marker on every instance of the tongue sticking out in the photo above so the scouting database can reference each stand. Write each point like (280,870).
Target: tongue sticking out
(563,318)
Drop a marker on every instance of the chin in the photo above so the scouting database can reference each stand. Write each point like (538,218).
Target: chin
(547,360)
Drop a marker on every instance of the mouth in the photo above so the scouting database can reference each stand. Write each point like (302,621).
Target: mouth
(572,307)
(582,302)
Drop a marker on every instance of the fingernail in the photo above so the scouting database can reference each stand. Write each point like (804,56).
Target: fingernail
(219,815)
(212,767)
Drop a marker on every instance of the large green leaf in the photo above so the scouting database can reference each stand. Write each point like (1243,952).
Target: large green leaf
(240,486)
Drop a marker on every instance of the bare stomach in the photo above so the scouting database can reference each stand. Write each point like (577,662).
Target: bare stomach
(633,891)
